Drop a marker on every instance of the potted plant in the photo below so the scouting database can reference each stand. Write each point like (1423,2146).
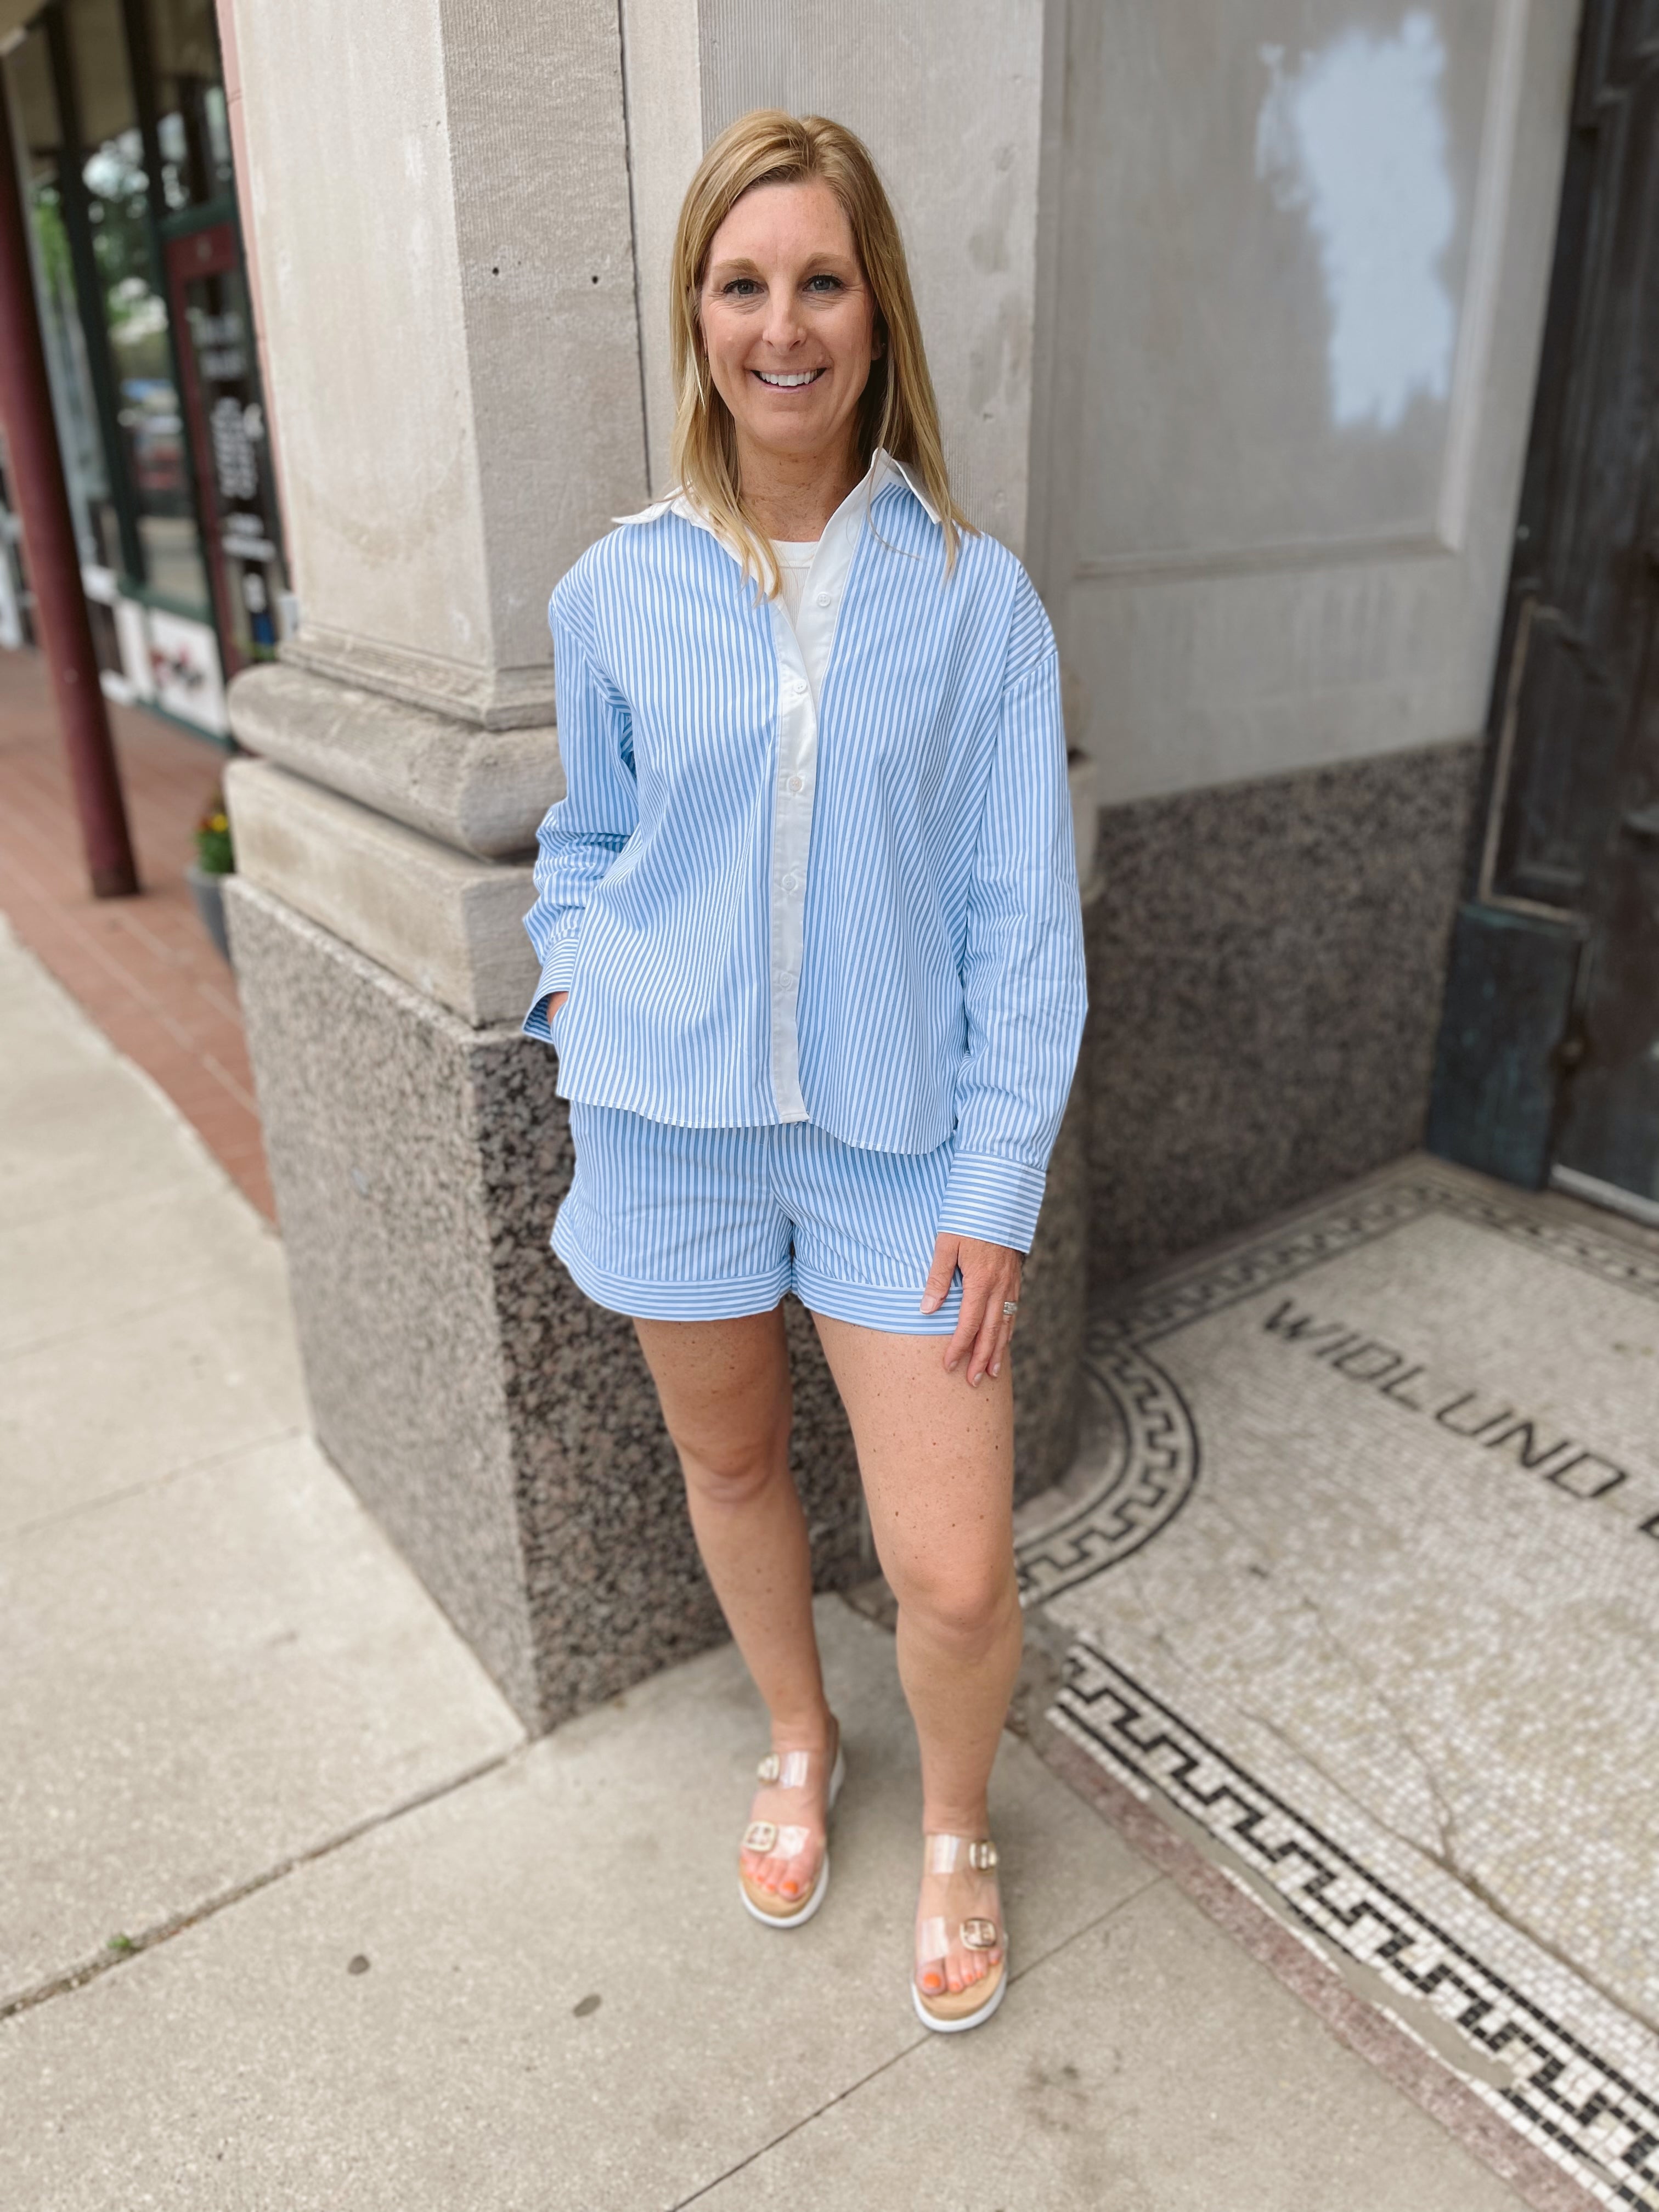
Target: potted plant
(206,873)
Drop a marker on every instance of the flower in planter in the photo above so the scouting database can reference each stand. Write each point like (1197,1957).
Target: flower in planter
(214,856)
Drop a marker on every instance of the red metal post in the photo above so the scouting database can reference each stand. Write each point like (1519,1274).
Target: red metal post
(54,561)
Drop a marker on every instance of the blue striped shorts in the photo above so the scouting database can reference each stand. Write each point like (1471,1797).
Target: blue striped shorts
(668,1223)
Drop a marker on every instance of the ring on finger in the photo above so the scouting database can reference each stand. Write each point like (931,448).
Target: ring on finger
(1010,1306)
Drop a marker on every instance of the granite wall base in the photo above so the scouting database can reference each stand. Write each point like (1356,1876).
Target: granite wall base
(502,1428)
(1266,962)
(1047,1345)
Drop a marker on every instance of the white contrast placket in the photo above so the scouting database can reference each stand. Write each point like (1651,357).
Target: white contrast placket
(802,650)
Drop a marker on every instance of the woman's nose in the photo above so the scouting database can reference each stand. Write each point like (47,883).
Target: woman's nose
(784,328)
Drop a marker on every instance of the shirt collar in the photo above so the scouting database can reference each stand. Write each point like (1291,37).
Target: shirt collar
(881,470)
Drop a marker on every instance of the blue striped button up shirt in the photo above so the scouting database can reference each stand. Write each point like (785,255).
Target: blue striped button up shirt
(938,995)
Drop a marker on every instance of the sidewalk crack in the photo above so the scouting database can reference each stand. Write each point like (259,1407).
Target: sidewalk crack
(84,1505)
(76,1978)
(917,2042)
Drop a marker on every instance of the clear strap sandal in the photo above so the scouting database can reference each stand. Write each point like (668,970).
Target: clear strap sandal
(949,2010)
(789,1770)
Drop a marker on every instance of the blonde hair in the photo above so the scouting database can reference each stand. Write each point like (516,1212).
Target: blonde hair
(896,409)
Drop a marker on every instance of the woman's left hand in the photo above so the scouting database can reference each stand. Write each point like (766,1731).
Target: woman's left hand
(990,1279)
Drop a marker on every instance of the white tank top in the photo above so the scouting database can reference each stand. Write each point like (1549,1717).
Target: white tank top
(794,557)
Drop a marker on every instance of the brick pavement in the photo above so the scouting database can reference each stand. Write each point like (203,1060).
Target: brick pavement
(142,967)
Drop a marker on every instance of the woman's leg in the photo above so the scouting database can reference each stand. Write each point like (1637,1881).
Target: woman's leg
(726,1397)
(937,1459)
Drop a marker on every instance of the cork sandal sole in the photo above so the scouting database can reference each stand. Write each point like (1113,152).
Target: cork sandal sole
(944,2013)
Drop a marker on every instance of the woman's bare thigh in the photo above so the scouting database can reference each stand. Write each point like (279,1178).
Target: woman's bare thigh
(937,1457)
(724,1385)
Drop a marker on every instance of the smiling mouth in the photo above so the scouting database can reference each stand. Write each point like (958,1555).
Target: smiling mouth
(792,381)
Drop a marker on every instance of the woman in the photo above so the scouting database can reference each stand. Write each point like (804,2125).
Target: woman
(811,961)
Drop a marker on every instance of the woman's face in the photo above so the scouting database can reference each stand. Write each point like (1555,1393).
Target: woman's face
(788,321)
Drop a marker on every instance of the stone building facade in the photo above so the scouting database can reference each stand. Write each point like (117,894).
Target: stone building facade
(1234,312)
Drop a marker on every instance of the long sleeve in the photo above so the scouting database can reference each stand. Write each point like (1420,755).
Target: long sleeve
(937,976)
(1024,980)
(582,833)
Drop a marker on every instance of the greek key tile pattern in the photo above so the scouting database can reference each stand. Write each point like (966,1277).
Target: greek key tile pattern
(1381,1634)
(1153,1466)
(1370,1213)
(1584,2105)
(1149,1477)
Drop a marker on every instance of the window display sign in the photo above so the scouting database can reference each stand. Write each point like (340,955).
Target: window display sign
(225,416)
(183,669)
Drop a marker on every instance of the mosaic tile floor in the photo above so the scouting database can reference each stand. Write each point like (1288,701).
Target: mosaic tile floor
(1360,1574)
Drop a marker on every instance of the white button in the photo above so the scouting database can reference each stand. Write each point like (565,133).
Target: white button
(824,599)
(798,783)
(793,687)
(792,882)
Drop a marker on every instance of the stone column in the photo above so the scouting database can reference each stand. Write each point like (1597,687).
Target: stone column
(445,223)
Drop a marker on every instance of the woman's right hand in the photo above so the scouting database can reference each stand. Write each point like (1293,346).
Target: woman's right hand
(555,1001)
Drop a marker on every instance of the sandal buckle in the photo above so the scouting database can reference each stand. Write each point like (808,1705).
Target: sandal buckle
(978,1935)
(767,1770)
(760,1836)
(984,1855)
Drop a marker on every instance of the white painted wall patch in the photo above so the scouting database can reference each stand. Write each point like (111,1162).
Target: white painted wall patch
(1353,137)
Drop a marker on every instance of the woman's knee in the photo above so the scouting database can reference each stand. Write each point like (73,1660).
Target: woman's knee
(969,1605)
(733,1470)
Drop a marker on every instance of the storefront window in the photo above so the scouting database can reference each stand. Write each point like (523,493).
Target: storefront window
(145,308)
(190,126)
(149,411)
(233,448)
(70,366)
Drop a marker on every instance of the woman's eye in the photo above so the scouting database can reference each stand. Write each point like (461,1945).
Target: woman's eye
(824,280)
(740,288)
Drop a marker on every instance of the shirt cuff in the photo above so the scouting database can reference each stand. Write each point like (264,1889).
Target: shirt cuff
(995,1200)
(557,970)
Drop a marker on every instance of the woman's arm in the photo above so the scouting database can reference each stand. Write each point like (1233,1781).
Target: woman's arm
(582,833)
(1024,991)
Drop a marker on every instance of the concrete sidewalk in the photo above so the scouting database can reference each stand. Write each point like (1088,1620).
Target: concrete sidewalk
(292,1916)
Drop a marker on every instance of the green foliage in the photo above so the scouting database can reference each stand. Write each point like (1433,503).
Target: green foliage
(52,240)
(214,856)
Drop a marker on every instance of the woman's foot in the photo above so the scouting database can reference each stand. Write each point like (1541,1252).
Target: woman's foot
(960,1946)
(785,1844)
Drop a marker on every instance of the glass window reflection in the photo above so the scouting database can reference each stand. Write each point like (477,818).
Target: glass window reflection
(71,369)
(149,415)
(191,126)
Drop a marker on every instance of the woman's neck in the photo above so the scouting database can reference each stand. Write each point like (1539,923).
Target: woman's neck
(793,496)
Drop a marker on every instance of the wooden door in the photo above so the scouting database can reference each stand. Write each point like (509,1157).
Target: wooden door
(1549,1059)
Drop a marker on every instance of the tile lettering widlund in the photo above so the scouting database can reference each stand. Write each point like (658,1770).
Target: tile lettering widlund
(1335,1468)
(1475,1415)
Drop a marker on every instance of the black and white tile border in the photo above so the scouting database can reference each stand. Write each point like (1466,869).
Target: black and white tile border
(1596,2115)
(1151,1465)
(1584,2109)
(1373,1211)
(1150,1471)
